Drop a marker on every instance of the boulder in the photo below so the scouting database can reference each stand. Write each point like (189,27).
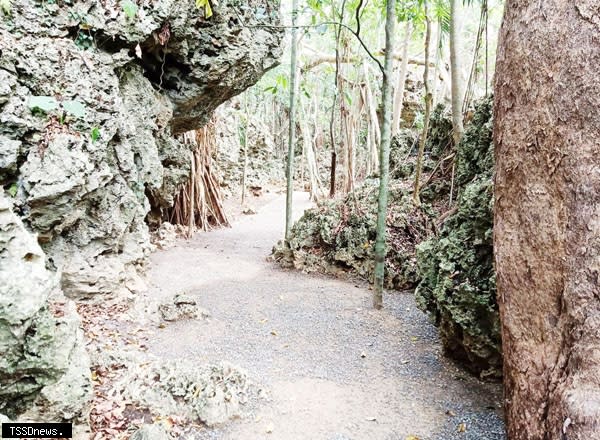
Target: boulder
(44,369)
(210,394)
(181,307)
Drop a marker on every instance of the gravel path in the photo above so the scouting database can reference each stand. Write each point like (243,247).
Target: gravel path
(333,368)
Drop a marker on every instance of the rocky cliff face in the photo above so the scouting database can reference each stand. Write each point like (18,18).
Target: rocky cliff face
(44,369)
(92,97)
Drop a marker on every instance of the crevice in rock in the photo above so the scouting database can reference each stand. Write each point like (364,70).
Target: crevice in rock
(98,39)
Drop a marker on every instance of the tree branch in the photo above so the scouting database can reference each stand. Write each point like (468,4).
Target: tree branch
(325,23)
(324,58)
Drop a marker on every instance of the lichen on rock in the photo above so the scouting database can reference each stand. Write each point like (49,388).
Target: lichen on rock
(44,369)
(210,394)
(340,235)
(87,169)
(93,97)
(458,281)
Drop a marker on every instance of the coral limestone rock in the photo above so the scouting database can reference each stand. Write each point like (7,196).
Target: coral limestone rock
(44,370)
(92,96)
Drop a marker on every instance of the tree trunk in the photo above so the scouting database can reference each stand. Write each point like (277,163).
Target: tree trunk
(316,192)
(428,103)
(458,86)
(373,121)
(438,61)
(384,154)
(547,227)
(245,145)
(292,127)
(401,84)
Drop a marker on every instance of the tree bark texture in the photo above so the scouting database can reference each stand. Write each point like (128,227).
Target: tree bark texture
(547,217)
(428,104)
(401,83)
(458,82)
(292,126)
(384,155)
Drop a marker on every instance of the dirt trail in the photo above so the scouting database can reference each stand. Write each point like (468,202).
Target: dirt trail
(333,368)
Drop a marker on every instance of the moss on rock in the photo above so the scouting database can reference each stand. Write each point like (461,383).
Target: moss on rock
(340,235)
(458,282)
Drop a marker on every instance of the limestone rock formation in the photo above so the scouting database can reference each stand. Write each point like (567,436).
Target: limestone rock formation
(208,394)
(340,235)
(91,96)
(44,369)
(458,284)
(151,432)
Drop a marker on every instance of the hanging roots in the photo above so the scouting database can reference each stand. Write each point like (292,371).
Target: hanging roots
(198,203)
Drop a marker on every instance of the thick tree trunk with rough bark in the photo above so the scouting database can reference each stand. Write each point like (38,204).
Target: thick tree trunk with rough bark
(547,217)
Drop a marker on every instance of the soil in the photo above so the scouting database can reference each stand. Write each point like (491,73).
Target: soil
(331,367)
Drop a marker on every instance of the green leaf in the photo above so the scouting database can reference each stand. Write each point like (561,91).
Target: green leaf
(43,103)
(6,6)
(130,8)
(12,190)
(74,108)
(206,5)
(95,134)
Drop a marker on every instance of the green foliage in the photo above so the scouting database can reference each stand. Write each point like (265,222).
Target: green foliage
(281,85)
(84,41)
(42,104)
(6,6)
(12,190)
(95,134)
(458,281)
(129,8)
(207,8)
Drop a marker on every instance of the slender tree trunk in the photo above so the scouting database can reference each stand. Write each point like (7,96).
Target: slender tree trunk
(311,164)
(375,130)
(471,82)
(338,34)
(384,154)
(292,127)
(401,84)
(192,219)
(245,145)
(428,102)
(458,86)
(438,61)
(546,225)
